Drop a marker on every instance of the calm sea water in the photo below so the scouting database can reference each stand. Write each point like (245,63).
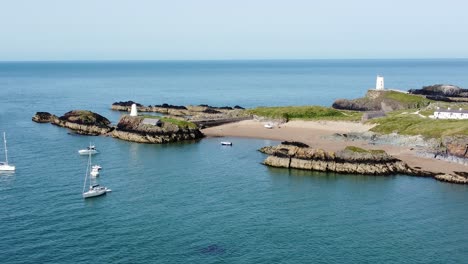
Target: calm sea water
(201,202)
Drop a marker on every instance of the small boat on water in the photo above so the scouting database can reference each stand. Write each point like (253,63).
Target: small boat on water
(226,143)
(89,150)
(269,126)
(4,166)
(94,190)
(96,167)
(94,172)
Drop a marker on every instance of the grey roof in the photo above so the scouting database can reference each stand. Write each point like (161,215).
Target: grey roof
(151,121)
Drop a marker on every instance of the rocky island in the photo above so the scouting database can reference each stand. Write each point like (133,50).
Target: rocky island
(150,129)
(141,129)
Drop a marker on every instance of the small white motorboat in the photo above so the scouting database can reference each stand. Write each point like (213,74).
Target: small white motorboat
(89,150)
(96,167)
(226,143)
(94,172)
(269,126)
(4,166)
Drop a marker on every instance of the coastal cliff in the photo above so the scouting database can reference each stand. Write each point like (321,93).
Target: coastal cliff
(351,160)
(134,129)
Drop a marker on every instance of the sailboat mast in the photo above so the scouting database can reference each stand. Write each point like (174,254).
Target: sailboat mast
(87,170)
(6,151)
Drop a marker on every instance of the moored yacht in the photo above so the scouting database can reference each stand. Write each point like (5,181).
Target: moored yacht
(4,166)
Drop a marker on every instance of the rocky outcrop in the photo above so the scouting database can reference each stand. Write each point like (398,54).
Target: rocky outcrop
(84,122)
(44,117)
(351,160)
(204,115)
(443,92)
(386,101)
(129,128)
(133,129)
(80,121)
(452,178)
(456,145)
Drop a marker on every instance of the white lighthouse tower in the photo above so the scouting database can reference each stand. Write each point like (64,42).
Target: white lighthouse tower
(379,84)
(133,111)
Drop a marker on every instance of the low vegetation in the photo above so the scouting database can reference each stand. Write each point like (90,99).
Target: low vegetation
(374,100)
(180,123)
(361,150)
(411,124)
(305,113)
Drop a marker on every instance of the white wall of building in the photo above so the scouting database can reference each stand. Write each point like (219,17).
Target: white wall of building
(379,84)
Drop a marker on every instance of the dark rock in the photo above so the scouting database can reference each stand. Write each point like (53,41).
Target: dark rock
(43,117)
(127,103)
(295,143)
(211,111)
(442,90)
(169,106)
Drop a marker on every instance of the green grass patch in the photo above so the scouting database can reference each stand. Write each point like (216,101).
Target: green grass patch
(417,101)
(361,150)
(180,123)
(305,113)
(410,124)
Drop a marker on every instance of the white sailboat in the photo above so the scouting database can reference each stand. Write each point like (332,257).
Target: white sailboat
(94,189)
(4,166)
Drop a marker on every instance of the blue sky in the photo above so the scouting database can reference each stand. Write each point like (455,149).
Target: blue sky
(235,29)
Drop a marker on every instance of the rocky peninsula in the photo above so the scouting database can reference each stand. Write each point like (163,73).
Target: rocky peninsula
(350,160)
(141,129)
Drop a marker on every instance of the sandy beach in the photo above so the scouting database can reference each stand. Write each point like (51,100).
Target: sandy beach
(314,133)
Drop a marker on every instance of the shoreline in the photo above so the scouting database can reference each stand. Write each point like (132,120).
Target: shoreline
(317,134)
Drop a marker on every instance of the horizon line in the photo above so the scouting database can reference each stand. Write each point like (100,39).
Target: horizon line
(227,59)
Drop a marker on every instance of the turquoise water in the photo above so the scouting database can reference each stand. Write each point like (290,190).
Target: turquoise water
(200,202)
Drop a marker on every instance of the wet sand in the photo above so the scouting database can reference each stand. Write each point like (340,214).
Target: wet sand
(314,134)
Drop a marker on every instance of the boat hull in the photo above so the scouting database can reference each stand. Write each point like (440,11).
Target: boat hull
(5,167)
(94,193)
(87,152)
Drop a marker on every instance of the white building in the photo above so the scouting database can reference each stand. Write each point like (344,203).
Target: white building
(379,84)
(133,111)
(450,114)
